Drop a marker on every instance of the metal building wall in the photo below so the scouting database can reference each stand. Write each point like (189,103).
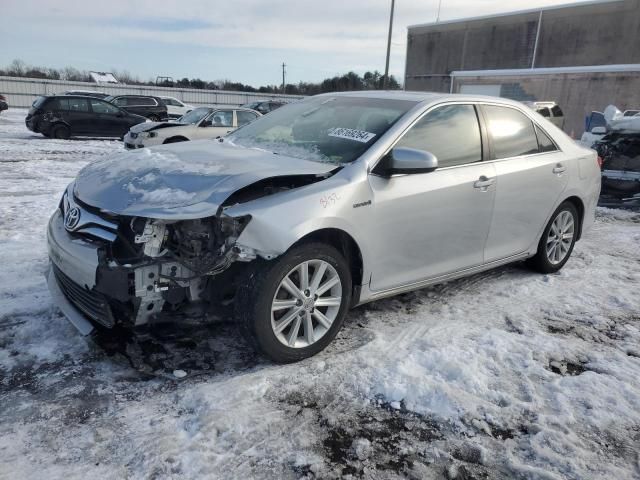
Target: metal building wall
(577,93)
(21,92)
(593,33)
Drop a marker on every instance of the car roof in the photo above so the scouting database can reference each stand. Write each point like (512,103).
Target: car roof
(133,95)
(424,97)
(72,95)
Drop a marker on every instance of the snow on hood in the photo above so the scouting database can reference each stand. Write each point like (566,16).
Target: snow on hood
(181,181)
(148,126)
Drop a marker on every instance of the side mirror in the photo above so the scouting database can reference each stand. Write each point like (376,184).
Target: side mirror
(205,123)
(411,160)
(599,130)
(119,114)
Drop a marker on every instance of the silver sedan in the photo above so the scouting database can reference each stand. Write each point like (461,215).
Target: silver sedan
(320,206)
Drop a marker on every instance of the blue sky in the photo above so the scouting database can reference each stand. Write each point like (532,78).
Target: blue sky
(239,40)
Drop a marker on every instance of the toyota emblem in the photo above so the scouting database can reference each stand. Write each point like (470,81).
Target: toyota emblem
(72,218)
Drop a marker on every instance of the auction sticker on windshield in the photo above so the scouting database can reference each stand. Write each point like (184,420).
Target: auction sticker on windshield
(351,134)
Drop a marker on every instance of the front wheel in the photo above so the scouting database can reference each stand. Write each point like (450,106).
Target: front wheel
(558,240)
(291,308)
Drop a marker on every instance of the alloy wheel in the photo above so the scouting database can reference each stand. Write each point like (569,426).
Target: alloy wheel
(306,303)
(560,237)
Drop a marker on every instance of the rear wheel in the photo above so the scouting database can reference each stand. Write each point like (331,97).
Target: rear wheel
(291,308)
(60,131)
(558,240)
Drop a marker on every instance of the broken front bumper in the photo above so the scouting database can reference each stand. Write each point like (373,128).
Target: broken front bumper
(71,278)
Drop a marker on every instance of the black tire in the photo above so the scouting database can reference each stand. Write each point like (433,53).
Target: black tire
(60,131)
(175,140)
(256,293)
(541,262)
(154,118)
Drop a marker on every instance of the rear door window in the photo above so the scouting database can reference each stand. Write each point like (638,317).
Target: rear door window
(142,101)
(451,133)
(98,106)
(544,111)
(78,105)
(511,132)
(245,117)
(557,111)
(121,101)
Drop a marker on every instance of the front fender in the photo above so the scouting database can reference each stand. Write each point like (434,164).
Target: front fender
(279,221)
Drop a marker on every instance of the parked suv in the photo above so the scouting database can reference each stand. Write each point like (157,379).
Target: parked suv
(151,107)
(331,202)
(3,103)
(549,110)
(176,108)
(265,107)
(64,116)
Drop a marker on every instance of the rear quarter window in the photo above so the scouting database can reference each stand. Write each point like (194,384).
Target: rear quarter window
(545,144)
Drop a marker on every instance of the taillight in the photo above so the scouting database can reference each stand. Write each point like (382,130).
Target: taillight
(600,161)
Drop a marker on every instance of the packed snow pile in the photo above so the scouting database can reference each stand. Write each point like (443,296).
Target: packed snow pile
(616,121)
(507,374)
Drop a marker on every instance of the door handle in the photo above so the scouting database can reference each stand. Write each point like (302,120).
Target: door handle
(483,183)
(559,169)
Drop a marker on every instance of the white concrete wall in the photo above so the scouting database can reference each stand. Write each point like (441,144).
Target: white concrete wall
(21,92)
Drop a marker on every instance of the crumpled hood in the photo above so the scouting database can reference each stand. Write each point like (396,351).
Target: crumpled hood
(148,126)
(181,181)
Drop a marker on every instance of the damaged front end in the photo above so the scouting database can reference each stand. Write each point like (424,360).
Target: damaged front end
(132,271)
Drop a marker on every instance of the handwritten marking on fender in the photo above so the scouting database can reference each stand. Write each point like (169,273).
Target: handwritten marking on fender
(329,199)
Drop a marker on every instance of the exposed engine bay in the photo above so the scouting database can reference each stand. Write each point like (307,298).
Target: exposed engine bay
(150,269)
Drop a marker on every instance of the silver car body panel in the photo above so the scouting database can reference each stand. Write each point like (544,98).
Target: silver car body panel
(74,315)
(76,258)
(182,181)
(411,230)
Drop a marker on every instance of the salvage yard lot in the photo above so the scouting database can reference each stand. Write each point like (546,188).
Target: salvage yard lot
(506,374)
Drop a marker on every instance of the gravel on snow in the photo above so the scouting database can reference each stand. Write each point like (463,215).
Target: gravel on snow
(506,374)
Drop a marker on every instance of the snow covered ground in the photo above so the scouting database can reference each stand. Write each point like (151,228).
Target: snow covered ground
(507,374)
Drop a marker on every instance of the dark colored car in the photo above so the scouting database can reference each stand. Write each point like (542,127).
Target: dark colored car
(265,107)
(3,103)
(620,154)
(64,116)
(151,107)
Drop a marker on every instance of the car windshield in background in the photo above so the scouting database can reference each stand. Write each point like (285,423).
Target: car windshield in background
(325,129)
(194,116)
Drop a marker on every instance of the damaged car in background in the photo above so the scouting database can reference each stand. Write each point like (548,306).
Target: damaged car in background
(200,123)
(320,206)
(620,154)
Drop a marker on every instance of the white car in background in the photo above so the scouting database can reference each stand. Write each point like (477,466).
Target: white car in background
(176,108)
(199,123)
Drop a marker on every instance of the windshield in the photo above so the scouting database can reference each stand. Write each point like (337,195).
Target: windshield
(195,115)
(324,129)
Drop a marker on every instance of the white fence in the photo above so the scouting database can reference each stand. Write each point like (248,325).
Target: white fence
(21,92)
